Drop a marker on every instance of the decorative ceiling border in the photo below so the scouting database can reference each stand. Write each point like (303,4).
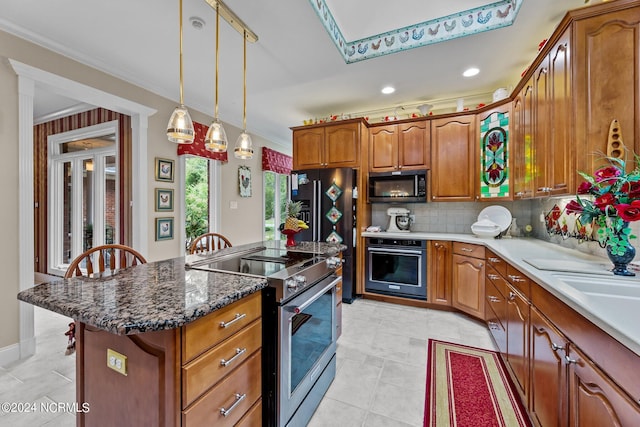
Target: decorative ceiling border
(473,21)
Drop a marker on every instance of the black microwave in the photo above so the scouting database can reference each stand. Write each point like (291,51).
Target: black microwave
(398,187)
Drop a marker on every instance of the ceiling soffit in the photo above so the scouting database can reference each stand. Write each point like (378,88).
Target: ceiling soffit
(465,23)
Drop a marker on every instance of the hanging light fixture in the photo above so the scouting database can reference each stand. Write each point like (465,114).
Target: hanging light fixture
(180,127)
(244,146)
(216,138)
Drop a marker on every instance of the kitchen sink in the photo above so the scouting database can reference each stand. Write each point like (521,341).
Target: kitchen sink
(602,287)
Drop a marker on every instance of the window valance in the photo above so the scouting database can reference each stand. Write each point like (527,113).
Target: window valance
(197,147)
(275,161)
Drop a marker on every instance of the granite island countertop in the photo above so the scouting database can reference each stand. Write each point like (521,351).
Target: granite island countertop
(154,296)
(615,319)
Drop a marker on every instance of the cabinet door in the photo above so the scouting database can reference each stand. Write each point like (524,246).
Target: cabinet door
(468,285)
(308,146)
(495,180)
(453,148)
(521,161)
(547,405)
(518,340)
(383,148)
(439,269)
(605,55)
(342,145)
(594,400)
(541,128)
(413,145)
(562,168)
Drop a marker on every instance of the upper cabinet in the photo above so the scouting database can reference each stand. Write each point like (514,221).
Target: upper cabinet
(495,151)
(454,159)
(327,146)
(605,54)
(399,146)
(521,161)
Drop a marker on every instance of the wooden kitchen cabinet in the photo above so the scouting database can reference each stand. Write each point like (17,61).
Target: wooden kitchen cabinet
(403,146)
(517,319)
(522,151)
(468,293)
(552,130)
(439,268)
(327,145)
(453,148)
(605,55)
(496,307)
(548,397)
(595,400)
(495,146)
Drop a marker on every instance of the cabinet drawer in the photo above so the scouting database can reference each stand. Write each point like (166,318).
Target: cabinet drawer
(202,373)
(253,417)
(496,262)
(519,281)
(208,331)
(468,249)
(496,301)
(496,328)
(498,280)
(228,394)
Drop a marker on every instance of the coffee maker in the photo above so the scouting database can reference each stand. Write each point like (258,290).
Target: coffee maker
(399,220)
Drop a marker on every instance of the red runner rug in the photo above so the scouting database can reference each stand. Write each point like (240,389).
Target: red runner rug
(469,387)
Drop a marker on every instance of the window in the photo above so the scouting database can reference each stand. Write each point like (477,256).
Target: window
(276,190)
(196,197)
(84,197)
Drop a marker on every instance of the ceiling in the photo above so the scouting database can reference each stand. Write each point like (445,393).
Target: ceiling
(295,71)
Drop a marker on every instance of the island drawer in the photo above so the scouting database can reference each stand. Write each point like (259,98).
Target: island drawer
(236,394)
(204,333)
(468,249)
(202,373)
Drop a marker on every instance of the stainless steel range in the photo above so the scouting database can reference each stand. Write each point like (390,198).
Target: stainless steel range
(298,324)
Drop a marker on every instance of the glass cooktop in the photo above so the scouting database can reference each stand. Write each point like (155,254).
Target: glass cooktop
(264,263)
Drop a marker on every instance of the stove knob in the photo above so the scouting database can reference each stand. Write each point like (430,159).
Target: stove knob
(300,280)
(291,283)
(333,262)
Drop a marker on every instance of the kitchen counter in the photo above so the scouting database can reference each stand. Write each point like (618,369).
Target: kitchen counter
(154,296)
(608,313)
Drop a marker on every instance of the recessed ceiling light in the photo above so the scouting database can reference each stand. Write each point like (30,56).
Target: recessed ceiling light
(388,89)
(470,72)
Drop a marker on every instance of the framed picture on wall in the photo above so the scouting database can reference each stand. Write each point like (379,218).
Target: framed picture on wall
(244,177)
(164,200)
(164,169)
(164,228)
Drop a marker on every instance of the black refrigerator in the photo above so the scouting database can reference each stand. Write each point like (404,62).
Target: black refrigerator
(330,210)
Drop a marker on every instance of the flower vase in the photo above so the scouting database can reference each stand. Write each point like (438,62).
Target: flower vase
(620,262)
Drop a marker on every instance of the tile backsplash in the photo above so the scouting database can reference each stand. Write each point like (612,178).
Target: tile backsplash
(457,217)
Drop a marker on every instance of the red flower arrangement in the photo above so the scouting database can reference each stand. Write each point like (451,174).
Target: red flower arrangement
(616,202)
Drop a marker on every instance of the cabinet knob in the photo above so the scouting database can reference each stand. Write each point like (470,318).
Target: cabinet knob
(570,360)
(512,296)
(556,347)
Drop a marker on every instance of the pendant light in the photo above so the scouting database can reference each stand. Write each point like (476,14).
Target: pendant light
(216,138)
(180,127)
(244,146)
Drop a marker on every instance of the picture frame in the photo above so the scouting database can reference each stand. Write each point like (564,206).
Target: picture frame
(164,200)
(164,228)
(164,169)
(244,181)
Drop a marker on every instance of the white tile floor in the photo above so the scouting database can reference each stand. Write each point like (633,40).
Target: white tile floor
(380,379)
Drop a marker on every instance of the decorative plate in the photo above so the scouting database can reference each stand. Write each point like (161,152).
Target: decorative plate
(333,238)
(498,214)
(333,192)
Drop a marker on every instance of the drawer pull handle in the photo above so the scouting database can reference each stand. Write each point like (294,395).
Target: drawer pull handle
(512,296)
(516,278)
(239,352)
(466,249)
(493,299)
(239,398)
(493,325)
(494,260)
(237,317)
(493,276)
(570,360)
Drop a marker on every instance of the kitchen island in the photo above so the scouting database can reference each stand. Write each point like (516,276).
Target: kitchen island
(157,344)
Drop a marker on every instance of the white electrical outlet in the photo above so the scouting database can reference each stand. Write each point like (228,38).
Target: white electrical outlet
(117,361)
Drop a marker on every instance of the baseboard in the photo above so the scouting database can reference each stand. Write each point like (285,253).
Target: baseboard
(9,354)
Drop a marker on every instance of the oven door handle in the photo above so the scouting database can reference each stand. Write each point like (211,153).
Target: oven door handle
(299,308)
(395,251)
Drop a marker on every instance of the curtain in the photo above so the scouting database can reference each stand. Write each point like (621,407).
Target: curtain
(275,161)
(197,147)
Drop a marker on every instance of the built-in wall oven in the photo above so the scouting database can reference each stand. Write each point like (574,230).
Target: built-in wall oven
(396,267)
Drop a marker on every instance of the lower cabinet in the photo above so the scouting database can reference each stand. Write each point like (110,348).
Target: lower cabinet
(439,270)
(468,279)
(517,356)
(547,402)
(595,400)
